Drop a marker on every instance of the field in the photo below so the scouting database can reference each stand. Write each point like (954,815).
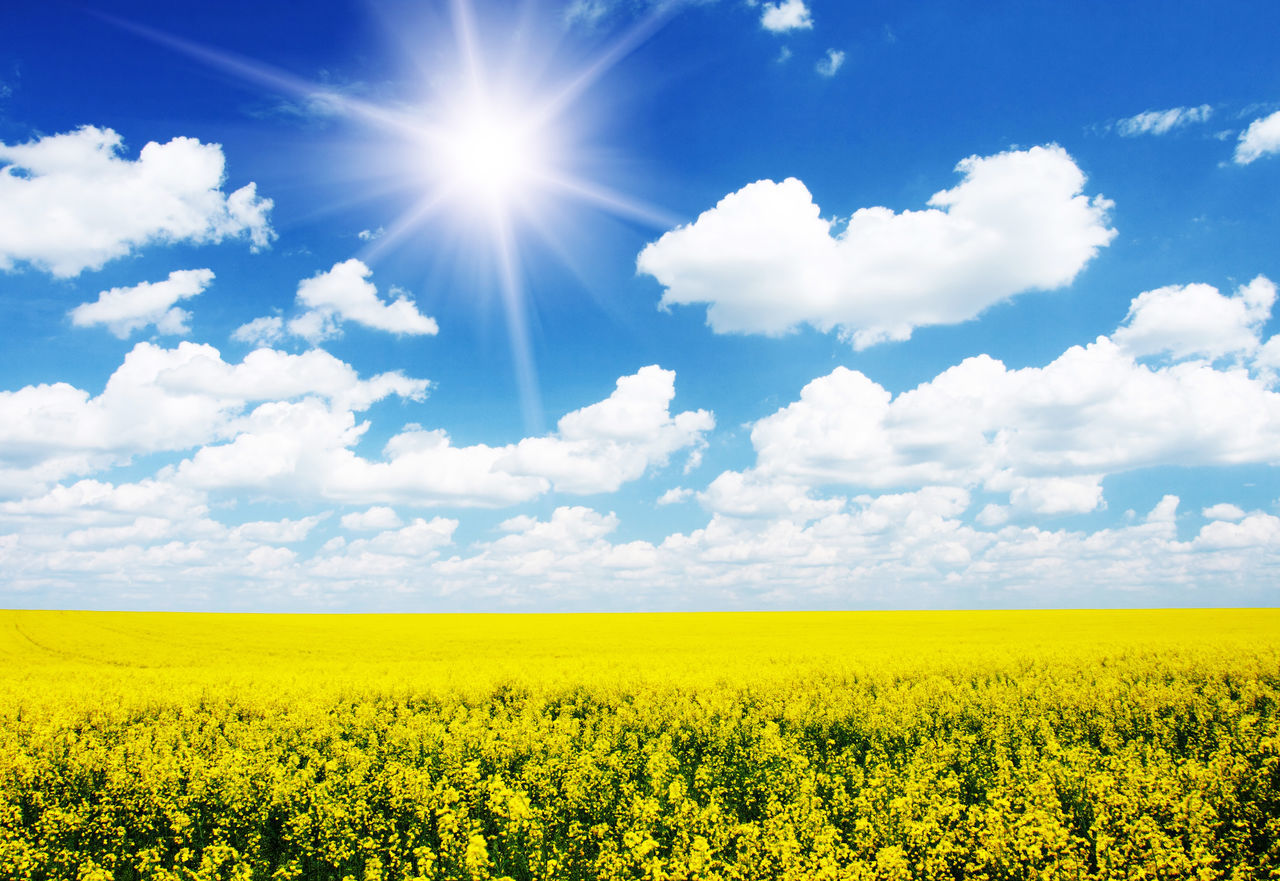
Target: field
(949,745)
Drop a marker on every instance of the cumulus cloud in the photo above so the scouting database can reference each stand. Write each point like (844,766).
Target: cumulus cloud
(674,496)
(378,517)
(283,531)
(265,331)
(394,553)
(1045,436)
(765,261)
(124,310)
(1159,122)
(327,299)
(344,293)
(1196,320)
(1261,138)
(304,450)
(600,447)
(788,15)
(71,202)
(1223,511)
(830,63)
(167,400)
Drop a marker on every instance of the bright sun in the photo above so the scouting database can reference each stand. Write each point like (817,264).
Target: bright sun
(487,151)
(493,141)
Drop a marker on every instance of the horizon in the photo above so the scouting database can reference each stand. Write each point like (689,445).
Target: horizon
(584,306)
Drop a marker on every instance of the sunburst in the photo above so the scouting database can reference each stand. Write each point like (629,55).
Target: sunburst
(486,148)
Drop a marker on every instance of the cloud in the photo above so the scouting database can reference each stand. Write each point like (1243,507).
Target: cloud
(283,531)
(764,260)
(304,450)
(1261,138)
(124,310)
(1159,122)
(1046,436)
(788,15)
(600,447)
(378,517)
(674,496)
(833,61)
(1196,320)
(342,293)
(1223,511)
(167,400)
(70,202)
(265,331)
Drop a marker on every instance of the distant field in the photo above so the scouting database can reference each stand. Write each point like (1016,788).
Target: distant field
(1074,744)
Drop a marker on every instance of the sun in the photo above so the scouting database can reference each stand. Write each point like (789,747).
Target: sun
(489,153)
(490,141)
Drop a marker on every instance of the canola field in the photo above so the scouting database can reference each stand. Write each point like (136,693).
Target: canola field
(947,745)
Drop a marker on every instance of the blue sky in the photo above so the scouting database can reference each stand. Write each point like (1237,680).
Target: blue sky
(605,305)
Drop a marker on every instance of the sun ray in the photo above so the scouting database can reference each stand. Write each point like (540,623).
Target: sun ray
(486,150)
(514,307)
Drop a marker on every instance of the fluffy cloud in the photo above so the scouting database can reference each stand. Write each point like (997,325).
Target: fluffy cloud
(283,531)
(600,447)
(304,449)
(71,202)
(391,555)
(166,400)
(327,299)
(1159,122)
(1261,138)
(260,332)
(344,293)
(764,260)
(1046,436)
(1196,320)
(376,518)
(124,310)
(787,15)
(1223,511)
(830,63)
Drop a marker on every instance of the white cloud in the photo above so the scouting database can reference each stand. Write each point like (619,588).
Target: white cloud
(264,331)
(1159,122)
(674,496)
(1261,138)
(1196,320)
(1046,436)
(376,518)
(1223,511)
(70,202)
(124,310)
(600,447)
(283,531)
(788,15)
(831,63)
(165,400)
(1254,530)
(94,502)
(742,495)
(303,450)
(765,261)
(344,293)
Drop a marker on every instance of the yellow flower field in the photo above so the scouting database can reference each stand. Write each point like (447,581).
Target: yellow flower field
(899,745)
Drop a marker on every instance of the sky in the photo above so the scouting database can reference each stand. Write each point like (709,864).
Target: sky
(622,305)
